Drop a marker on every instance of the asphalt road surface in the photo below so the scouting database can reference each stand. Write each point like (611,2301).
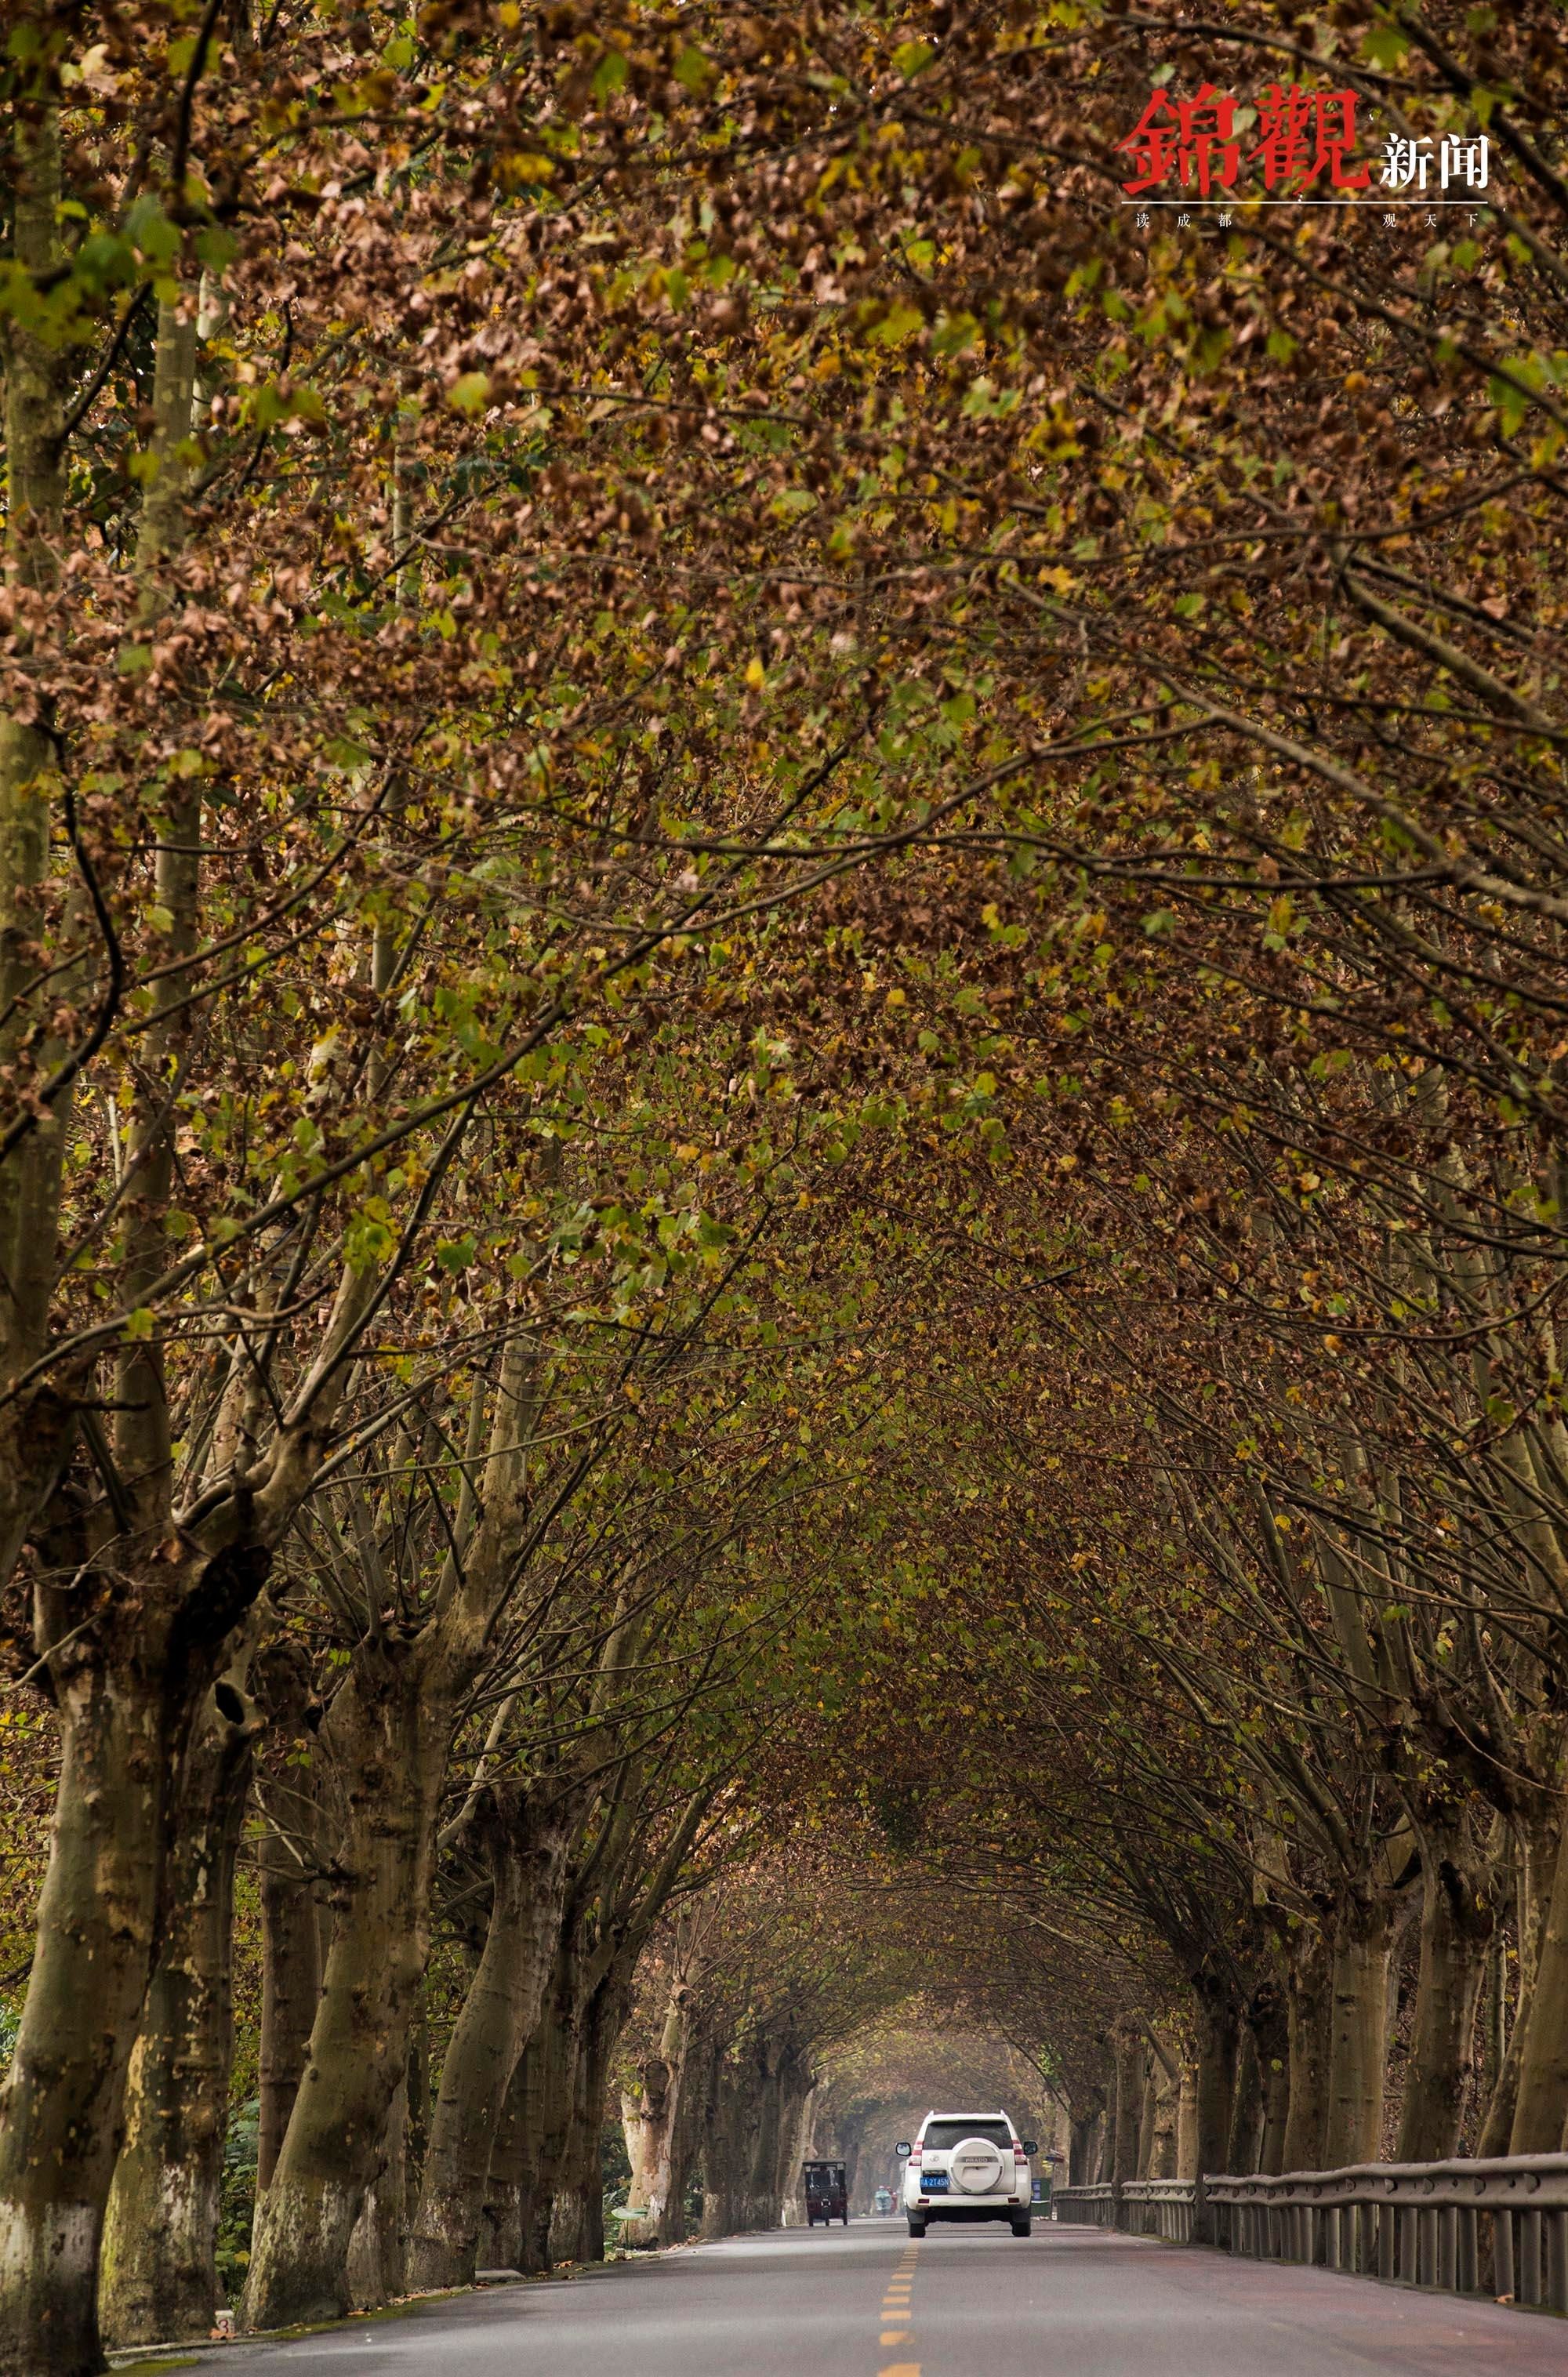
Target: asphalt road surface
(867,2301)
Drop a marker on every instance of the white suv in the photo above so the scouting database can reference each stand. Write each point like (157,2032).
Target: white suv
(967,2166)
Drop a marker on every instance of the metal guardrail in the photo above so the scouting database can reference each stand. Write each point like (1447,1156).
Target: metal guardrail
(1093,2207)
(1498,2228)
(1159,2207)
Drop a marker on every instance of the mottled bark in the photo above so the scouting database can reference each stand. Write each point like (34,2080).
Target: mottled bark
(514,2167)
(1457,1919)
(158,2278)
(551,2092)
(527,1838)
(649,2112)
(1247,2109)
(386,1738)
(577,2219)
(1540,2113)
(377,2270)
(1147,2114)
(1363,1948)
(1219,2039)
(761,2178)
(1268,2020)
(1128,2052)
(795,2092)
(1307,2028)
(726,2146)
(295,1932)
(686,2145)
(1186,2123)
(1085,2118)
(61,2112)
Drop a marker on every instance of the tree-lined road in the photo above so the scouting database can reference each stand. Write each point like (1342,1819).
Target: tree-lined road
(865,2302)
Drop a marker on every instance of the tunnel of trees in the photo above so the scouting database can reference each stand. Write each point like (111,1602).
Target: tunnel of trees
(784,1094)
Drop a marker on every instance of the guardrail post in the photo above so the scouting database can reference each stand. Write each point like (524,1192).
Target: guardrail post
(1557,2259)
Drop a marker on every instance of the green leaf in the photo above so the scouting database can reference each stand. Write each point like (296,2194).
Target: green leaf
(900,322)
(1385,45)
(471,393)
(150,227)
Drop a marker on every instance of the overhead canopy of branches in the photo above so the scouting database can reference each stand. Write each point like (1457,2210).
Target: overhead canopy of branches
(782,1114)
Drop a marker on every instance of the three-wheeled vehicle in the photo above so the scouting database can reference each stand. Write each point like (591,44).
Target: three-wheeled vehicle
(826,2197)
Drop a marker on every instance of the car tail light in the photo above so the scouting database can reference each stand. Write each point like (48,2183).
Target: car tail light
(1018,2152)
(914,2153)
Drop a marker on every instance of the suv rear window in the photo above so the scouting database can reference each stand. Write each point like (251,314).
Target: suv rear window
(940,2137)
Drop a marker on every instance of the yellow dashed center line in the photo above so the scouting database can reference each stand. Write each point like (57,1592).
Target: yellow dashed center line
(895,2307)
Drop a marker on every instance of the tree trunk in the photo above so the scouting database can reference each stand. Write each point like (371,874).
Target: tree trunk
(529,1840)
(765,2147)
(1307,2030)
(1533,1849)
(1186,2123)
(1129,2054)
(386,1737)
(1147,2116)
(291,1992)
(376,2270)
(577,2217)
(512,2160)
(1219,2035)
(792,2150)
(685,2133)
(1457,1920)
(60,2115)
(651,2117)
(725,2153)
(1247,2111)
(1540,2114)
(294,1932)
(1358,2033)
(559,2040)
(37,1424)
(1268,2022)
(1079,2165)
(158,2278)
(1167,2122)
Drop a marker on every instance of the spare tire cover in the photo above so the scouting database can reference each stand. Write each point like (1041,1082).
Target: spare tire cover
(976,2167)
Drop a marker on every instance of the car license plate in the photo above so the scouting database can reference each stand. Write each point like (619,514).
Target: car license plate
(933,2182)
